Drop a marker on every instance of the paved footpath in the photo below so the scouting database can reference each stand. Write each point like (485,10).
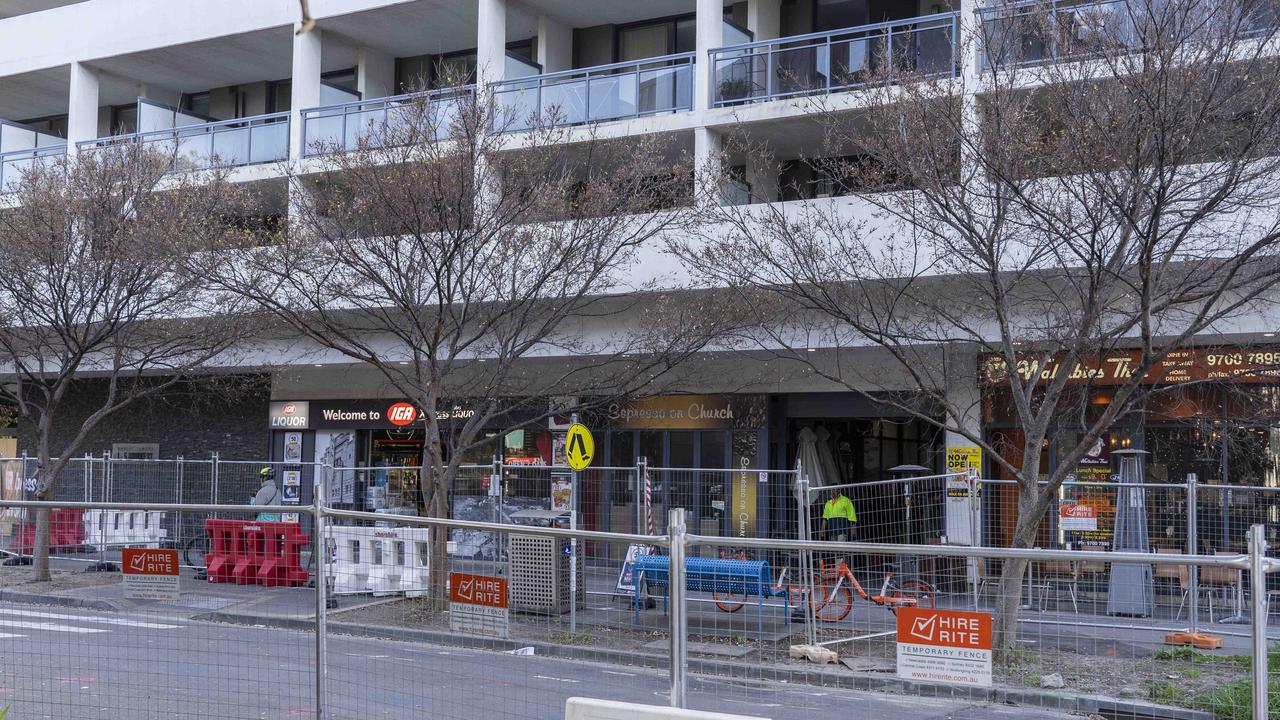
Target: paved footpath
(69,663)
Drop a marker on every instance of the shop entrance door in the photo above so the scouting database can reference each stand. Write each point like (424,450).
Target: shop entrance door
(395,457)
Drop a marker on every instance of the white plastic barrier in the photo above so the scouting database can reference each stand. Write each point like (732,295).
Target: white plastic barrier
(106,529)
(591,709)
(384,561)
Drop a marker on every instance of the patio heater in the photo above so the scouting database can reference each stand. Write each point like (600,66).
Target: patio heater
(907,564)
(1131,590)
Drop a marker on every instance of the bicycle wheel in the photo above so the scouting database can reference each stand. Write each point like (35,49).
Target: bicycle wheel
(832,600)
(730,602)
(921,592)
(194,550)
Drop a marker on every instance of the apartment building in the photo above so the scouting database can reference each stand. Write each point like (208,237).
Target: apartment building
(233,80)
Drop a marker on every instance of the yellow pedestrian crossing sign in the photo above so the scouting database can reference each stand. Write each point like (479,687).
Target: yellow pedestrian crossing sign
(579,447)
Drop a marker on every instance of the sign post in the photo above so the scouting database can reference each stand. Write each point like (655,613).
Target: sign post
(951,646)
(579,450)
(150,574)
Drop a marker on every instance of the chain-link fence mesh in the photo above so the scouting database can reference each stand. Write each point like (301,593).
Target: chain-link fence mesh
(750,595)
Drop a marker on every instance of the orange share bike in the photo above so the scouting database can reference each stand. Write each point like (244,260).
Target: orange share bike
(833,588)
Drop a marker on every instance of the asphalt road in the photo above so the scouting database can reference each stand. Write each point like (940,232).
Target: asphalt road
(66,663)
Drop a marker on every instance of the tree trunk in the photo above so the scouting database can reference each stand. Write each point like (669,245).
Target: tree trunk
(1009,600)
(41,554)
(439,574)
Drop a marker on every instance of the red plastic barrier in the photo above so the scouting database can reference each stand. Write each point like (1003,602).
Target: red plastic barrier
(66,531)
(256,553)
(281,560)
(221,557)
(248,550)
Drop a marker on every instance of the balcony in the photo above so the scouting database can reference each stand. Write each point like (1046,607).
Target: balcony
(651,86)
(346,126)
(224,143)
(15,164)
(22,148)
(836,60)
(1035,32)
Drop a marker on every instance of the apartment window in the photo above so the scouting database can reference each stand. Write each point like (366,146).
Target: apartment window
(653,38)
(343,79)
(52,125)
(196,103)
(836,14)
(280,96)
(124,119)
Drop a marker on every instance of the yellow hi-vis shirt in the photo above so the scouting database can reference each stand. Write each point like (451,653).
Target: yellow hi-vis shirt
(840,507)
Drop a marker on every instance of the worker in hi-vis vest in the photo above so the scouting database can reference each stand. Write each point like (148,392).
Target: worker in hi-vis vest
(839,517)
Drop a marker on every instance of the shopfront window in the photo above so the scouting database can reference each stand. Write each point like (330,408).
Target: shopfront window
(395,457)
(681,478)
(711,504)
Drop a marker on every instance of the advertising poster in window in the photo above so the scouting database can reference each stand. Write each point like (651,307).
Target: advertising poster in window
(1086,514)
(335,452)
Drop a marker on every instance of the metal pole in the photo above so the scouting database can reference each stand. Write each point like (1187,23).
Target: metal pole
(573,548)
(318,546)
(679,619)
(1193,570)
(975,537)
(1258,579)
(806,560)
(495,496)
(213,488)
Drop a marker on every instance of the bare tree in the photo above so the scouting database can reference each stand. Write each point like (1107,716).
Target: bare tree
(477,259)
(94,287)
(1108,182)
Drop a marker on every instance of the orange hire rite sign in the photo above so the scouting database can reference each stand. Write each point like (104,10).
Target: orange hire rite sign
(150,574)
(947,646)
(478,605)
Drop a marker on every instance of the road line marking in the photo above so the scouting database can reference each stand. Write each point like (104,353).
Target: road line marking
(9,635)
(51,627)
(563,680)
(615,672)
(84,618)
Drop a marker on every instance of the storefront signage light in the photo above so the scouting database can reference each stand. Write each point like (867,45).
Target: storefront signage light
(1231,364)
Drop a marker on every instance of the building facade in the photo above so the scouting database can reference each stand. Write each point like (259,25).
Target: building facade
(231,80)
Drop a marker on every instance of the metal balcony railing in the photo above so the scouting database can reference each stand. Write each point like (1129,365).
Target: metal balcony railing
(637,88)
(15,164)
(1034,32)
(345,125)
(834,60)
(225,143)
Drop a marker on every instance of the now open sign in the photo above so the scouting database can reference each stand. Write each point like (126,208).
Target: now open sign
(150,574)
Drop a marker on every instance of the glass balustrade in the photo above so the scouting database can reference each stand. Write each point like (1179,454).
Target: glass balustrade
(835,60)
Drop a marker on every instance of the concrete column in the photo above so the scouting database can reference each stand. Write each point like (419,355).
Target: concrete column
(305,90)
(707,170)
(82,105)
(555,44)
(491,42)
(764,19)
(375,73)
(710,28)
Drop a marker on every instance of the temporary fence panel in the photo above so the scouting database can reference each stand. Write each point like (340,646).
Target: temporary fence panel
(505,635)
